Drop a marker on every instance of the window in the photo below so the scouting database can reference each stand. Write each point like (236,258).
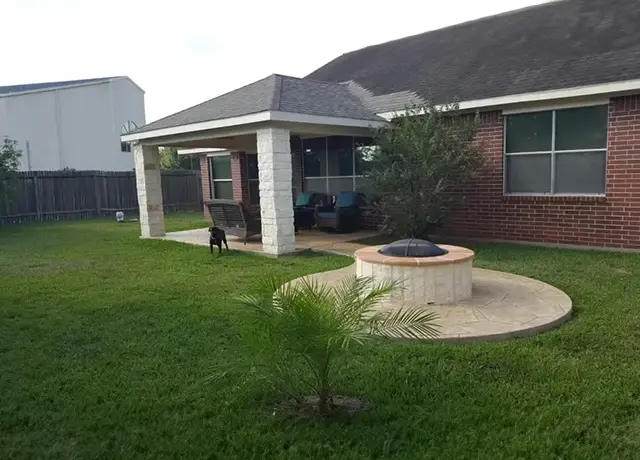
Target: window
(332,164)
(557,152)
(125,147)
(253,185)
(220,173)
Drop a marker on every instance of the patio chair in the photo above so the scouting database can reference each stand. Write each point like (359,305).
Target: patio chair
(344,216)
(304,209)
(233,218)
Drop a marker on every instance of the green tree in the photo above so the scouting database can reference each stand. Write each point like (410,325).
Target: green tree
(299,332)
(9,157)
(417,161)
(169,158)
(9,162)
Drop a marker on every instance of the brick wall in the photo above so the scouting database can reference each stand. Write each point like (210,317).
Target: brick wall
(610,221)
(239,176)
(485,213)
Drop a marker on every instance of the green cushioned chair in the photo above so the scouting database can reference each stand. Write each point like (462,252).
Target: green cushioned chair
(303,209)
(344,216)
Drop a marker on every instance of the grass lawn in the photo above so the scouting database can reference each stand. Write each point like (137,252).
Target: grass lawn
(107,345)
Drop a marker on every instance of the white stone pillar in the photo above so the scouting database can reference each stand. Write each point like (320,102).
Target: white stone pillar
(276,202)
(149,187)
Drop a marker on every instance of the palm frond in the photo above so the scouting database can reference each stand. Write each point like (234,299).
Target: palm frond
(347,337)
(380,290)
(415,323)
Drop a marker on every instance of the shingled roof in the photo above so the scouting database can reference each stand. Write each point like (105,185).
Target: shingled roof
(274,93)
(557,45)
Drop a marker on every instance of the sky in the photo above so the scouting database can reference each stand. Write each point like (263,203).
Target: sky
(187,51)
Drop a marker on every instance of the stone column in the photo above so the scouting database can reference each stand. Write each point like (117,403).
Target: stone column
(205,179)
(149,187)
(276,202)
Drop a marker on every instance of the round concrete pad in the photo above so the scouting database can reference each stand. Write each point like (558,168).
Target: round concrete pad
(502,305)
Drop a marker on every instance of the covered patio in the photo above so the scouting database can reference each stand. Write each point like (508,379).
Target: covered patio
(311,240)
(264,119)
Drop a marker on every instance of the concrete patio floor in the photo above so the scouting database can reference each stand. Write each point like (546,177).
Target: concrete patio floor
(502,306)
(340,243)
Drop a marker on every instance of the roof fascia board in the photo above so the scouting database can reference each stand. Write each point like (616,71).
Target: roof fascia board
(620,87)
(201,150)
(260,117)
(324,120)
(201,126)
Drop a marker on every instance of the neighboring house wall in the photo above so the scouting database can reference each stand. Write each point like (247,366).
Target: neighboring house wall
(86,129)
(127,105)
(30,119)
(77,127)
(610,221)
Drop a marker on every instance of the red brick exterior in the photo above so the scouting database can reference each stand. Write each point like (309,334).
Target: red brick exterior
(239,177)
(484,212)
(612,221)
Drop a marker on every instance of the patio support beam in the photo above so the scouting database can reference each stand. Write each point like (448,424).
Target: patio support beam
(149,185)
(276,201)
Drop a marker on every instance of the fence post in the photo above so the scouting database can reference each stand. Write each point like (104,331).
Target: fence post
(36,194)
(96,191)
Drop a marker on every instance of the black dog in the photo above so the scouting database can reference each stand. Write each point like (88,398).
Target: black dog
(217,237)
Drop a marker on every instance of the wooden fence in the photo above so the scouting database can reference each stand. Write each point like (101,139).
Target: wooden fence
(69,195)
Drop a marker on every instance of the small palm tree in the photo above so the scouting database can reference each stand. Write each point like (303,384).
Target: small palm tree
(300,329)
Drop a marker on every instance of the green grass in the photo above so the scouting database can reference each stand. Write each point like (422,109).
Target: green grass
(107,345)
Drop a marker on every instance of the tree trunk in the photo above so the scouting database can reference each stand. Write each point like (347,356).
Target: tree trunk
(323,401)
(324,394)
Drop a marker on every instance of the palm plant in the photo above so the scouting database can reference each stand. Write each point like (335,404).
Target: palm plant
(299,330)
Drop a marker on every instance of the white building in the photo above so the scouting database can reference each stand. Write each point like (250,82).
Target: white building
(73,124)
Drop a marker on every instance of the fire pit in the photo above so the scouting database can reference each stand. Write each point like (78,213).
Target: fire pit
(430,274)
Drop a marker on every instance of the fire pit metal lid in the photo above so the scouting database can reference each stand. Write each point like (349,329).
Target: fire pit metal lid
(412,247)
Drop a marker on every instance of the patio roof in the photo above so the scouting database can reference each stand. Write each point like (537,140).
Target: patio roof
(275,93)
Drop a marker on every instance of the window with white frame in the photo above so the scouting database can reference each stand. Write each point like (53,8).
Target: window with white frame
(220,174)
(556,152)
(333,164)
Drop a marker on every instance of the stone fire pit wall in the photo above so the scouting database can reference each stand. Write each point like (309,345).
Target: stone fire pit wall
(425,280)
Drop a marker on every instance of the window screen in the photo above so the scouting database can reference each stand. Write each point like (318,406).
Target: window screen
(529,132)
(557,152)
(221,184)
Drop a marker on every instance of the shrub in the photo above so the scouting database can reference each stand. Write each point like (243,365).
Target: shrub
(298,332)
(417,161)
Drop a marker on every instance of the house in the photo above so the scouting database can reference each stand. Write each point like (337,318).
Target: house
(557,88)
(72,124)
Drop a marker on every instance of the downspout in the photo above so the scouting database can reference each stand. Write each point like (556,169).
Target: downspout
(28,151)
